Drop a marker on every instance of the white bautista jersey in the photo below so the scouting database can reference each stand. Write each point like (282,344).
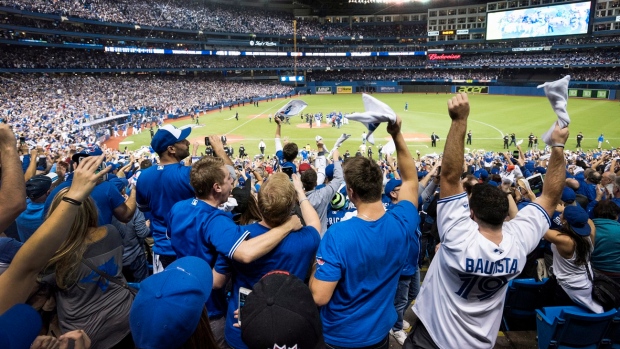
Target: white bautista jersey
(462,297)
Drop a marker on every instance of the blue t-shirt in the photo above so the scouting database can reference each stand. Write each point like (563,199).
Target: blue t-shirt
(201,230)
(294,254)
(585,188)
(106,196)
(353,253)
(30,220)
(158,188)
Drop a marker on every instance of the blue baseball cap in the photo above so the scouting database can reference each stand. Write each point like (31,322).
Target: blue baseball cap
(90,151)
(568,195)
(169,305)
(391,185)
(19,326)
(577,218)
(168,135)
(329,171)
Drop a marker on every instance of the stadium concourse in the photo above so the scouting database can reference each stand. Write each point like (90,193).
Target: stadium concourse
(240,219)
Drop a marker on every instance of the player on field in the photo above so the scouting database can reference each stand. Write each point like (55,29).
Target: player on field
(462,297)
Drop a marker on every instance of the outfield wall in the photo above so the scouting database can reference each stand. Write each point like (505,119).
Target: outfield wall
(348,87)
(533,91)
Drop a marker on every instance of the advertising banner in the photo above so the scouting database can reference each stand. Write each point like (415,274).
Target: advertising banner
(602,94)
(344,89)
(472,89)
(324,90)
(390,89)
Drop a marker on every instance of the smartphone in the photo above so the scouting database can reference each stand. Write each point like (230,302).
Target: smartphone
(243,294)
(288,171)
(207,141)
(536,183)
(22,140)
(515,154)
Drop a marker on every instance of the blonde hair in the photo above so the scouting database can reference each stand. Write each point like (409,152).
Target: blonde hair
(67,259)
(276,199)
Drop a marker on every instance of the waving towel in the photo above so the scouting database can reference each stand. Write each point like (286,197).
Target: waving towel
(291,108)
(376,113)
(557,93)
(343,137)
(389,148)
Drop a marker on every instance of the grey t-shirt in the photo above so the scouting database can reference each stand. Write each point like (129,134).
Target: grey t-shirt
(93,304)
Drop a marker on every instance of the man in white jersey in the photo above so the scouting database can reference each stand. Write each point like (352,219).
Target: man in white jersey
(461,301)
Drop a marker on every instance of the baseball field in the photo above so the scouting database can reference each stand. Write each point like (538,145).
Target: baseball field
(491,117)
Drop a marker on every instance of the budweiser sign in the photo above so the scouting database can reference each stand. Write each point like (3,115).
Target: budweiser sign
(437,57)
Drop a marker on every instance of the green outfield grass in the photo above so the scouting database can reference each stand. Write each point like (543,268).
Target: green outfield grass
(491,116)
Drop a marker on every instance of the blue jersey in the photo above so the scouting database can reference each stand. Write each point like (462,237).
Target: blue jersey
(334,216)
(158,188)
(353,253)
(294,254)
(201,230)
(106,196)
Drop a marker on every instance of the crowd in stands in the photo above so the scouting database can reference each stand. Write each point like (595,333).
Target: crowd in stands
(50,110)
(40,58)
(543,59)
(531,43)
(242,217)
(182,15)
(597,75)
(372,75)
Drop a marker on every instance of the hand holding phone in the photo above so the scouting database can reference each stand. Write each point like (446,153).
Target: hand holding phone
(243,294)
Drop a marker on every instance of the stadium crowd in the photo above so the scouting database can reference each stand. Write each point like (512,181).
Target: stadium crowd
(51,110)
(242,217)
(544,59)
(182,15)
(75,59)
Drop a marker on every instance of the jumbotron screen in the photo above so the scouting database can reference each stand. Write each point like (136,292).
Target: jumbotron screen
(555,20)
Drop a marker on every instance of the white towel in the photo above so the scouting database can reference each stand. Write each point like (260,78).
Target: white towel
(291,108)
(389,148)
(376,113)
(343,137)
(557,93)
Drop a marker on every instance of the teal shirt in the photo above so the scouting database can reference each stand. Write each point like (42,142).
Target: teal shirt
(606,255)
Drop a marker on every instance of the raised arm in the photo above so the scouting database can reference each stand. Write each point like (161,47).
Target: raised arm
(19,279)
(556,171)
(307,211)
(452,164)
(218,149)
(32,166)
(278,132)
(406,164)
(13,189)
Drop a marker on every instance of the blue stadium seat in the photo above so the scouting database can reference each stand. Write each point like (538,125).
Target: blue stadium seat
(134,285)
(571,327)
(522,300)
(612,337)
